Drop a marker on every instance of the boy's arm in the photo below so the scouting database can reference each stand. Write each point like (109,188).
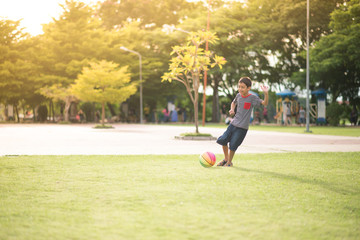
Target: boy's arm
(232,108)
(266,94)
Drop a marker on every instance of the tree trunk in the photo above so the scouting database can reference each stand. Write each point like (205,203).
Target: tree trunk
(17,113)
(52,111)
(68,101)
(66,110)
(335,94)
(34,114)
(103,113)
(94,113)
(112,111)
(196,113)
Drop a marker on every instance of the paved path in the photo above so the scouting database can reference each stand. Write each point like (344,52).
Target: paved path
(55,139)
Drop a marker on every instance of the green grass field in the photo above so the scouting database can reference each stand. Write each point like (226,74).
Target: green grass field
(264,196)
(321,130)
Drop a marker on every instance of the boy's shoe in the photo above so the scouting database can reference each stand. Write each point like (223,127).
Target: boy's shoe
(222,163)
(228,164)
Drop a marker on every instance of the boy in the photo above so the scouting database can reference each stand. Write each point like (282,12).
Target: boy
(236,131)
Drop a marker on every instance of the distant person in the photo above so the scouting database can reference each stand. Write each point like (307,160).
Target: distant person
(180,114)
(257,118)
(166,115)
(147,113)
(174,116)
(223,112)
(97,116)
(302,116)
(265,115)
(184,110)
(81,117)
(353,116)
(237,129)
(288,114)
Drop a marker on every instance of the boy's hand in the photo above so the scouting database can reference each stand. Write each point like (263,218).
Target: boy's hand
(264,88)
(231,112)
(266,95)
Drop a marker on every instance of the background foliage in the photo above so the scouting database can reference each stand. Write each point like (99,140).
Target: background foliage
(258,38)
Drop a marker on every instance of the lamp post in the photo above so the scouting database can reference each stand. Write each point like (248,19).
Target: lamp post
(307,67)
(140,70)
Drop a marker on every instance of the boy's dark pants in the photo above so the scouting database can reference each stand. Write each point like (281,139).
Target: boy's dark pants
(233,135)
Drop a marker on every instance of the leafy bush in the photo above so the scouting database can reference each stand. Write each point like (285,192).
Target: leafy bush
(345,115)
(64,122)
(333,113)
(88,109)
(100,126)
(195,134)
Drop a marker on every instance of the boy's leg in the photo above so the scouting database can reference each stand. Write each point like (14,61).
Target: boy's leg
(226,156)
(238,138)
(223,141)
(229,162)
(226,151)
(231,156)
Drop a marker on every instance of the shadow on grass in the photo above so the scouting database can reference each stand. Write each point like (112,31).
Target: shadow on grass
(323,184)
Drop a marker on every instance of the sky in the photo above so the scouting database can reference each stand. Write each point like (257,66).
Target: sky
(33,12)
(36,12)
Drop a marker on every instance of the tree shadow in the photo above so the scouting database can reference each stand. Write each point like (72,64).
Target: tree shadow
(326,185)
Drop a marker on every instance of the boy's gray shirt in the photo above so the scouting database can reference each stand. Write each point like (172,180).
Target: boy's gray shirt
(244,106)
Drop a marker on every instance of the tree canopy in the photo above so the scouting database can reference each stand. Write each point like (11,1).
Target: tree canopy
(189,64)
(336,57)
(103,82)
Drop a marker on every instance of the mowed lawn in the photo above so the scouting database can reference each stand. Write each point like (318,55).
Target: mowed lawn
(321,130)
(264,196)
(316,130)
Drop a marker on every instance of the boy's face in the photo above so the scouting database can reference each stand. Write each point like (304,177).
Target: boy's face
(243,89)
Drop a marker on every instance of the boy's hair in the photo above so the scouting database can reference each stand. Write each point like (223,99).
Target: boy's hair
(246,81)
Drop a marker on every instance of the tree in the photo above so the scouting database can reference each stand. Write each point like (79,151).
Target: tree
(261,39)
(17,70)
(154,47)
(189,64)
(198,20)
(103,82)
(58,92)
(336,57)
(68,44)
(139,27)
(10,35)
